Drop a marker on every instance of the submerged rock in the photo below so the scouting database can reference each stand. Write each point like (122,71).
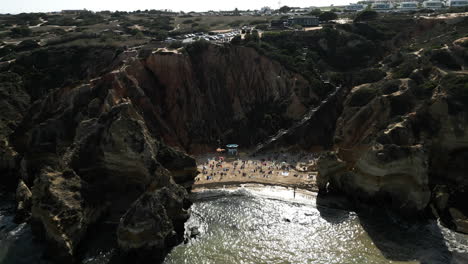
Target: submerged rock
(194,232)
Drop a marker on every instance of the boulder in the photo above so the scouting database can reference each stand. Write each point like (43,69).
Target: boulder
(460,220)
(110,155)
(24,200)
(62,211)
(330,167)
(380,158)
(154,223)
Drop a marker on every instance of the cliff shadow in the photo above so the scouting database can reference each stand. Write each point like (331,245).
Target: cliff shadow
(333,208)
(16,239)
(407,240)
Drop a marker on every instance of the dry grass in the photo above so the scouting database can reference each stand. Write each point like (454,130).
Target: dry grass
(220,22)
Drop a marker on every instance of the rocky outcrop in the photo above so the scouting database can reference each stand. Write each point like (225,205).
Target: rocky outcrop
(61,211)
(109,156)
(313,131)
(448,168)
(88,155)
(154,223)
(383,157)
(194,99)
(402,145)
(24,199)
(99,152)
(404,141)
(13,104)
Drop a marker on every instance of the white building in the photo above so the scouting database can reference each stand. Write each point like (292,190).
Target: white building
(432,4)
(408,6)
(458,3)
(266,10)
(382,6)
(300,10)
(354,7)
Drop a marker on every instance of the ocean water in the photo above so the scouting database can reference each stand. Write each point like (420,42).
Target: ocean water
(275,225)
(17,245)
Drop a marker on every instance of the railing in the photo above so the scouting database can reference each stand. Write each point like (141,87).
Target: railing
(307,116)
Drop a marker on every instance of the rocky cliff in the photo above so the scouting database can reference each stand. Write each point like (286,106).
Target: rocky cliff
(86,168)
(209,93)
(398,141)
(98,149)
(401,143)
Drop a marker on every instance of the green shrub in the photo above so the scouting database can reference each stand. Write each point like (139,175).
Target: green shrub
(315,12)
(196,48)
(355,78)
(237,40)
(27,45)
(61,21)
(6,50)
(176,45)
(254,37)
(89,18)
(456,87)
(327,16)
(366,15)
(188,21)
(235,23)
(21,31)
(390,86)
(139,35)
(257,22)
(405,69)
(443,57)
(362,96)
(400,105)
(426,88)
(262,26)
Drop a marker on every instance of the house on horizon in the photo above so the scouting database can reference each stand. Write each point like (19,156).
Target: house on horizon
(278,23)
(408,6)
(432,4)
(354,7)
(382,6)
(457,3)
(73,11)
(305,21)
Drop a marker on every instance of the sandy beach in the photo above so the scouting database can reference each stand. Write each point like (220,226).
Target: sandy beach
(280,169)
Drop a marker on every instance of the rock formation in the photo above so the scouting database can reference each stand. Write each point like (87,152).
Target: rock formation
(100,150)
(214,93)
(401,147)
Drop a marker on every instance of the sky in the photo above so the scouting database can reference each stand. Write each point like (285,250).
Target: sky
(19,6)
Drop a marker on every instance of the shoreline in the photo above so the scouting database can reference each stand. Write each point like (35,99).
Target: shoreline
(288,170)
(222,185)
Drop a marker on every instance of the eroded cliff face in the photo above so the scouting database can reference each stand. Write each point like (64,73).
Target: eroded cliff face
(215,93)
(84,169)
(400,145)
(102,151)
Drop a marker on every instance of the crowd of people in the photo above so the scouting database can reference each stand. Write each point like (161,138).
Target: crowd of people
(301,166)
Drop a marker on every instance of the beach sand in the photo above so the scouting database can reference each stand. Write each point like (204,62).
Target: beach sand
(280,169)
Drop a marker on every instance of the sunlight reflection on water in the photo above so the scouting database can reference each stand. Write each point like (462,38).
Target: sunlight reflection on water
(270,225)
